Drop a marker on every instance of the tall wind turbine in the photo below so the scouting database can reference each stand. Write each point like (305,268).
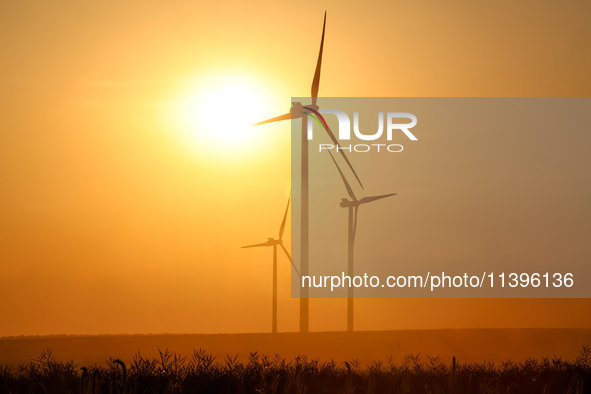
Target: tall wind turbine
(299,111)
(353,206)
(274,242)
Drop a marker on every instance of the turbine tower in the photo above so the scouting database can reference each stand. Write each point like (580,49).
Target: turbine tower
(353,206)
(299,111)
(274,242)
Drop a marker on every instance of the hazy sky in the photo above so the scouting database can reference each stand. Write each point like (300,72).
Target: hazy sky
(128,184)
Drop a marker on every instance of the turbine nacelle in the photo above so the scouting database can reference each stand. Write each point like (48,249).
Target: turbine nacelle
(296,110)
(355,203)
(270,242)
(296,105)
(349,204)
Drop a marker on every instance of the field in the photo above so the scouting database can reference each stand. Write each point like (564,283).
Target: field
(471,346)
(430,361)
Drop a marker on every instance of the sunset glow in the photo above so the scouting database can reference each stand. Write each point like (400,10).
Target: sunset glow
(130,175)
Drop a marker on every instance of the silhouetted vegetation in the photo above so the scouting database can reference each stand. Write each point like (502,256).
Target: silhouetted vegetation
(171,373)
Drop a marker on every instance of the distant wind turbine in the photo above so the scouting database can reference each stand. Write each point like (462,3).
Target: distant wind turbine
(274,242)
(299,111)
(353,206)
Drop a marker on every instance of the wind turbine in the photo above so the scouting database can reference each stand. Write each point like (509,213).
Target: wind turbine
(274,242)
(299,111)
(353,206)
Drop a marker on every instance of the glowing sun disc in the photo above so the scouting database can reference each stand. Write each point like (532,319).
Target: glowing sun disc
(222,113)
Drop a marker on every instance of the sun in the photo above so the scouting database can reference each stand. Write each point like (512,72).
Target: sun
(219,113)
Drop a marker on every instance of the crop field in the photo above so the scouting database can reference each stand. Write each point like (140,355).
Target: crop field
(512,361)
(202,373)
(466,345)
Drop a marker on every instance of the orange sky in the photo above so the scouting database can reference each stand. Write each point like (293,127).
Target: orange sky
(119,214)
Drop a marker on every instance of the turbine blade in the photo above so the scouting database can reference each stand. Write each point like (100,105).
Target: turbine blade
(365,200)
(284,219)
(257,245)
(289,257)
(347,186)
(316,81)
(335,141)
(275,119)
(346,160)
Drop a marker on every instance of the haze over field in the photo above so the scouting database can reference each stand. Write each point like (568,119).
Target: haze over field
(129,177)
(468,346)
